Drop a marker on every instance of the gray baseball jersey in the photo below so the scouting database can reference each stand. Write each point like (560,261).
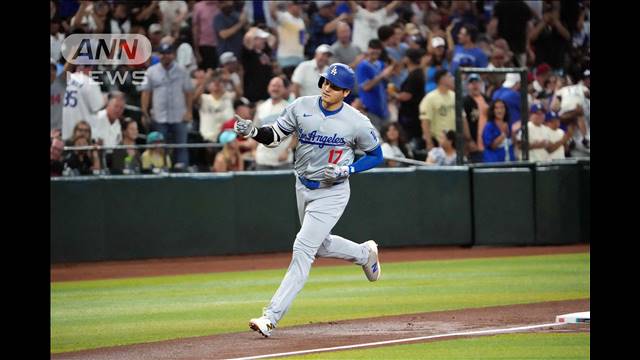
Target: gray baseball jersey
(325,136)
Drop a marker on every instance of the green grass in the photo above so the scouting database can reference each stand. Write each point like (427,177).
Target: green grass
(513,347)
(92,314)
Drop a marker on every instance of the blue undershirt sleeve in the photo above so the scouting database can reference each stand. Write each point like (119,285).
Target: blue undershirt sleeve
(370,160)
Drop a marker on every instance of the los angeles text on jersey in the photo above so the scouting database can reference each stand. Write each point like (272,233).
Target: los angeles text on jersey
(321,140)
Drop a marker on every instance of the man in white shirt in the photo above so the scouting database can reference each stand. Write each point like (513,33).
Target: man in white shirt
(280,157)
(305,76)
(82,100)
(291,33)
(367,20)
(556,136)
(107,126)
(538,141)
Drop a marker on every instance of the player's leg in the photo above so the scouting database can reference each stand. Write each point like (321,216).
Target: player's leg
(322,210)
(337,247)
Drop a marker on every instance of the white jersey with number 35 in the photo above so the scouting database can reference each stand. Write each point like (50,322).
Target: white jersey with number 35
(325,136)
(82,101)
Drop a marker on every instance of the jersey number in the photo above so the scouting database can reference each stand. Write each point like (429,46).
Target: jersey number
(70,98)
(334,156)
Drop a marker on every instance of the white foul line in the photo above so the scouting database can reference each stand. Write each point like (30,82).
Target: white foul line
(344,347)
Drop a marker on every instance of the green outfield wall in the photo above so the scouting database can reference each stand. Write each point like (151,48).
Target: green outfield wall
(152,216)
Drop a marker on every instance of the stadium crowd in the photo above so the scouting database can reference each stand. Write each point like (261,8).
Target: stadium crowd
(213,59)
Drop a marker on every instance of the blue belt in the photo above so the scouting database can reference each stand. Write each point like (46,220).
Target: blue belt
(312,184)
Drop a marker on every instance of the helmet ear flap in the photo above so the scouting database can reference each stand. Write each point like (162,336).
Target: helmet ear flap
(320,81)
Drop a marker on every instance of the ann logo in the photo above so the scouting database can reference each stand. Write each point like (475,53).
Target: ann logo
(334,71)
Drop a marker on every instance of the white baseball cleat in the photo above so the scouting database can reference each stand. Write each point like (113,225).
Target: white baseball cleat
(372,267)
(262,325)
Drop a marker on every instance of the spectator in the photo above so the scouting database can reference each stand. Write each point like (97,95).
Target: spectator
(119,19)
(391,37)
(173,15)
(496,135)
(410,95)
(256,61)
(204,36)
(445,154)
(512,18)
(367,20)
(542,74)
(172,91)
(145,12)
(371,75)
(467,51)
(267,113)
(55,158)
(82,162)
(231,74)
(476,106)
(155,159)
(58,86)
(91,17)
(322,26)
(258,13)
(82,100)
(394,144)
(556,137)
(499,58)
(215,107)
(571,102)
(229,159)
(510,94)
(437,109)
(437,61)
(462,12)
(82,129)
(291,34)
(56,38)
(229,27)
(155,36)
(108,128)
(305,76)
(538,137)
(550,38)
(184,52)
(344,51)
(127,161)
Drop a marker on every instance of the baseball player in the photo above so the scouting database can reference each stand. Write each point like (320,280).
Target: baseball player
(329,131)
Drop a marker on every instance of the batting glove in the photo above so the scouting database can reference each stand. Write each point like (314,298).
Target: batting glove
(333,172)
(244,127)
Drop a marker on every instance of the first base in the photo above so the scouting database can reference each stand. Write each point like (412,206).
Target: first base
(575,318)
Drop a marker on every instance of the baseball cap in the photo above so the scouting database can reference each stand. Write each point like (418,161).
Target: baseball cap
(534,108)
(227,57)
(511,79)
(543,69)
(165,48)
(324,48)
(154,28)
(323,3)
(473,77)
(154,137)
(437,41)
(227,136)
(551,115)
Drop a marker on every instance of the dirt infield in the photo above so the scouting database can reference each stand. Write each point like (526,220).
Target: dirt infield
(340,333)
(179,266)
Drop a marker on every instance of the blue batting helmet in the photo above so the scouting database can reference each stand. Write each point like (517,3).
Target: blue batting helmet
(340,75)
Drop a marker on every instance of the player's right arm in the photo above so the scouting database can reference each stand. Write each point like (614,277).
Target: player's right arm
(270,135)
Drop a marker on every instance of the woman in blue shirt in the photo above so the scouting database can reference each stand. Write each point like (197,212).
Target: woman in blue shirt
(496,135)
